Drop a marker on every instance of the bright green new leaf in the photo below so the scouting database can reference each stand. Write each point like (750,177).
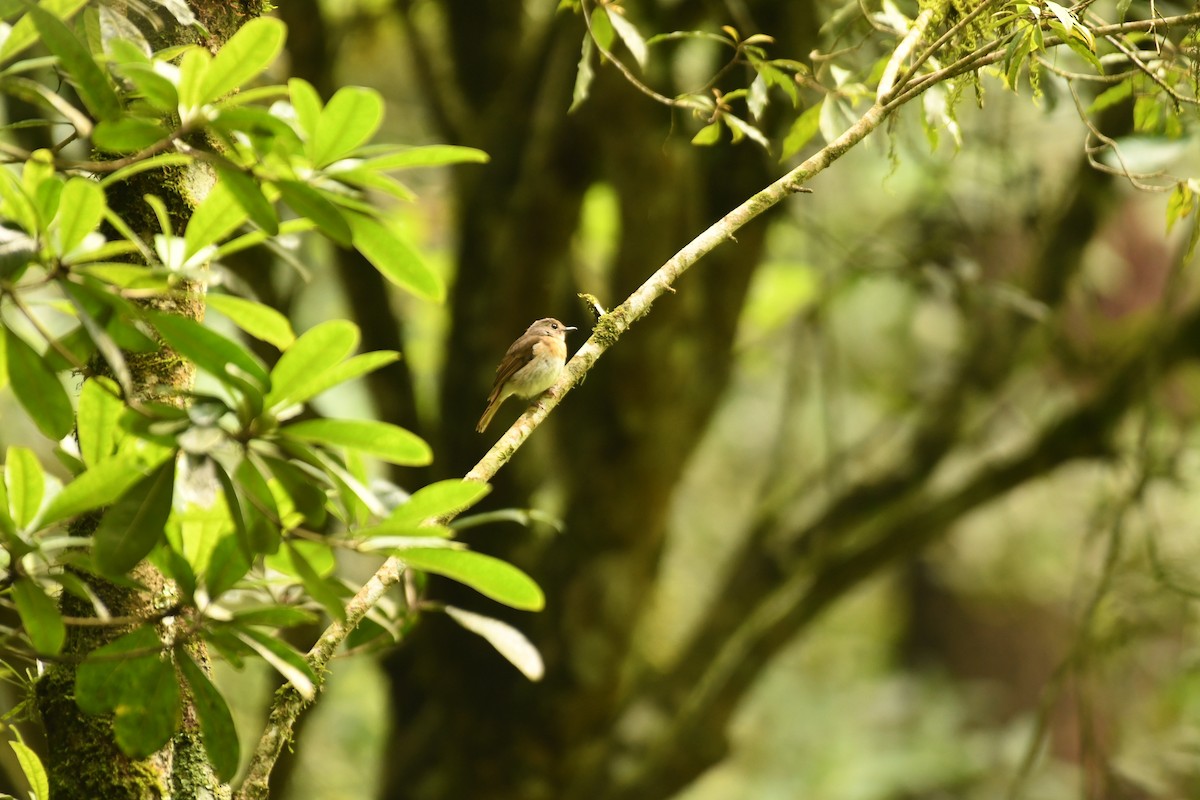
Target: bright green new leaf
(508,641)
(249,196)
(24,34)
(26,484)
(709,134)
(309,202)
(438,500)
(247,53)
(142,724)
(383,440)
(90,81)
(79,212)
(307,104)
(224,359)
(349,120)
(434,155)
(584,74)
(216,723)
(98,486)
(290,664)
(395,258)
(39,614)
(489,576)
(98,417)
(347,370)
(215,218)
(132,526)
(127,134)
(634,42)
(193,71)
(37,388)
(31,767)
(258,320)
(114,674)
(802,131)
(317,350)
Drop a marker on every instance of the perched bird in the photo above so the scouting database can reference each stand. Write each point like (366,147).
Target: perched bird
(531,365)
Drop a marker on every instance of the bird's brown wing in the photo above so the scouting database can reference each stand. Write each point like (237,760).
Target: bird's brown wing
(518,355)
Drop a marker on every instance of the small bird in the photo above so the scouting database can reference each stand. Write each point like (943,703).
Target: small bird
(531,365)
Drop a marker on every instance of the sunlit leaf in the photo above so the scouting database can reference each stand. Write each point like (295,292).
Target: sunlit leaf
(349,120)
(247,53)
(90,81)
(508,641)
(383,440)
(438,500)
(32,769)
(302,364)
(40,616)
(37,388)
(394,257)
(489,576)
(308,202)
(258,320)
(79,212)
(25,482)
(290,664)
(98,486)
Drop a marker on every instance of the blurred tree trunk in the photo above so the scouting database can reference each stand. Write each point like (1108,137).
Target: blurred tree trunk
(469,725)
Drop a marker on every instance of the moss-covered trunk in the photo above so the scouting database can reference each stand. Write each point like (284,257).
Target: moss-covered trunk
(83,760)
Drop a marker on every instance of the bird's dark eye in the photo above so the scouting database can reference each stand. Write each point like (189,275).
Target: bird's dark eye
(554,325)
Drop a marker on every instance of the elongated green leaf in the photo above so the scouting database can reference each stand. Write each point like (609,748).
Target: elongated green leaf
(308,202)
(395,258)
(438,500)
(37,388)
(135,523)
(24,34)
(127,134)
(247,53)
(307,104)
(434,155)
(317,587)
(258,506)
(258,320)
(290,664)
(211,351)
(383,440)
(216,723)
(79,212)
(489,576)
(227,565)
(98,419)
(115,672)
(317,350)
(347,370)
(214,219)
(26,484)
(508,641)
(249,196)
(98,486)
(31,767)
(39,614)
(90,81)
(143,724)
(350,119)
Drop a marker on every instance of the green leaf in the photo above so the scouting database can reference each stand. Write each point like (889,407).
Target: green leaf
(127,134)
(227,565)
(37,388)
(216,723)
(301,365)
(308,202)
(434,155)
(629,34)
(90,81)
(584,74)
(249,196)
(350,119)
(395,258)
(135,523)
(217,216)
(383,440)
(24,34)
(319,588)
(79,212)
(26,484)
(257,503)
(31,767)
(247,53)
(802,131)
(602,29)
(258,320)
(114,673)
(290,664)
(439,499)
(40,615)
(709,134)
(100,485)
(1111,96)
(275,616)
(489,576)
(508,641)
(307,104)
(347,370)
(98,419)
(143,723)
(224,359)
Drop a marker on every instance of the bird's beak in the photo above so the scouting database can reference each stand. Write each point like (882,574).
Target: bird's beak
(570,328)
